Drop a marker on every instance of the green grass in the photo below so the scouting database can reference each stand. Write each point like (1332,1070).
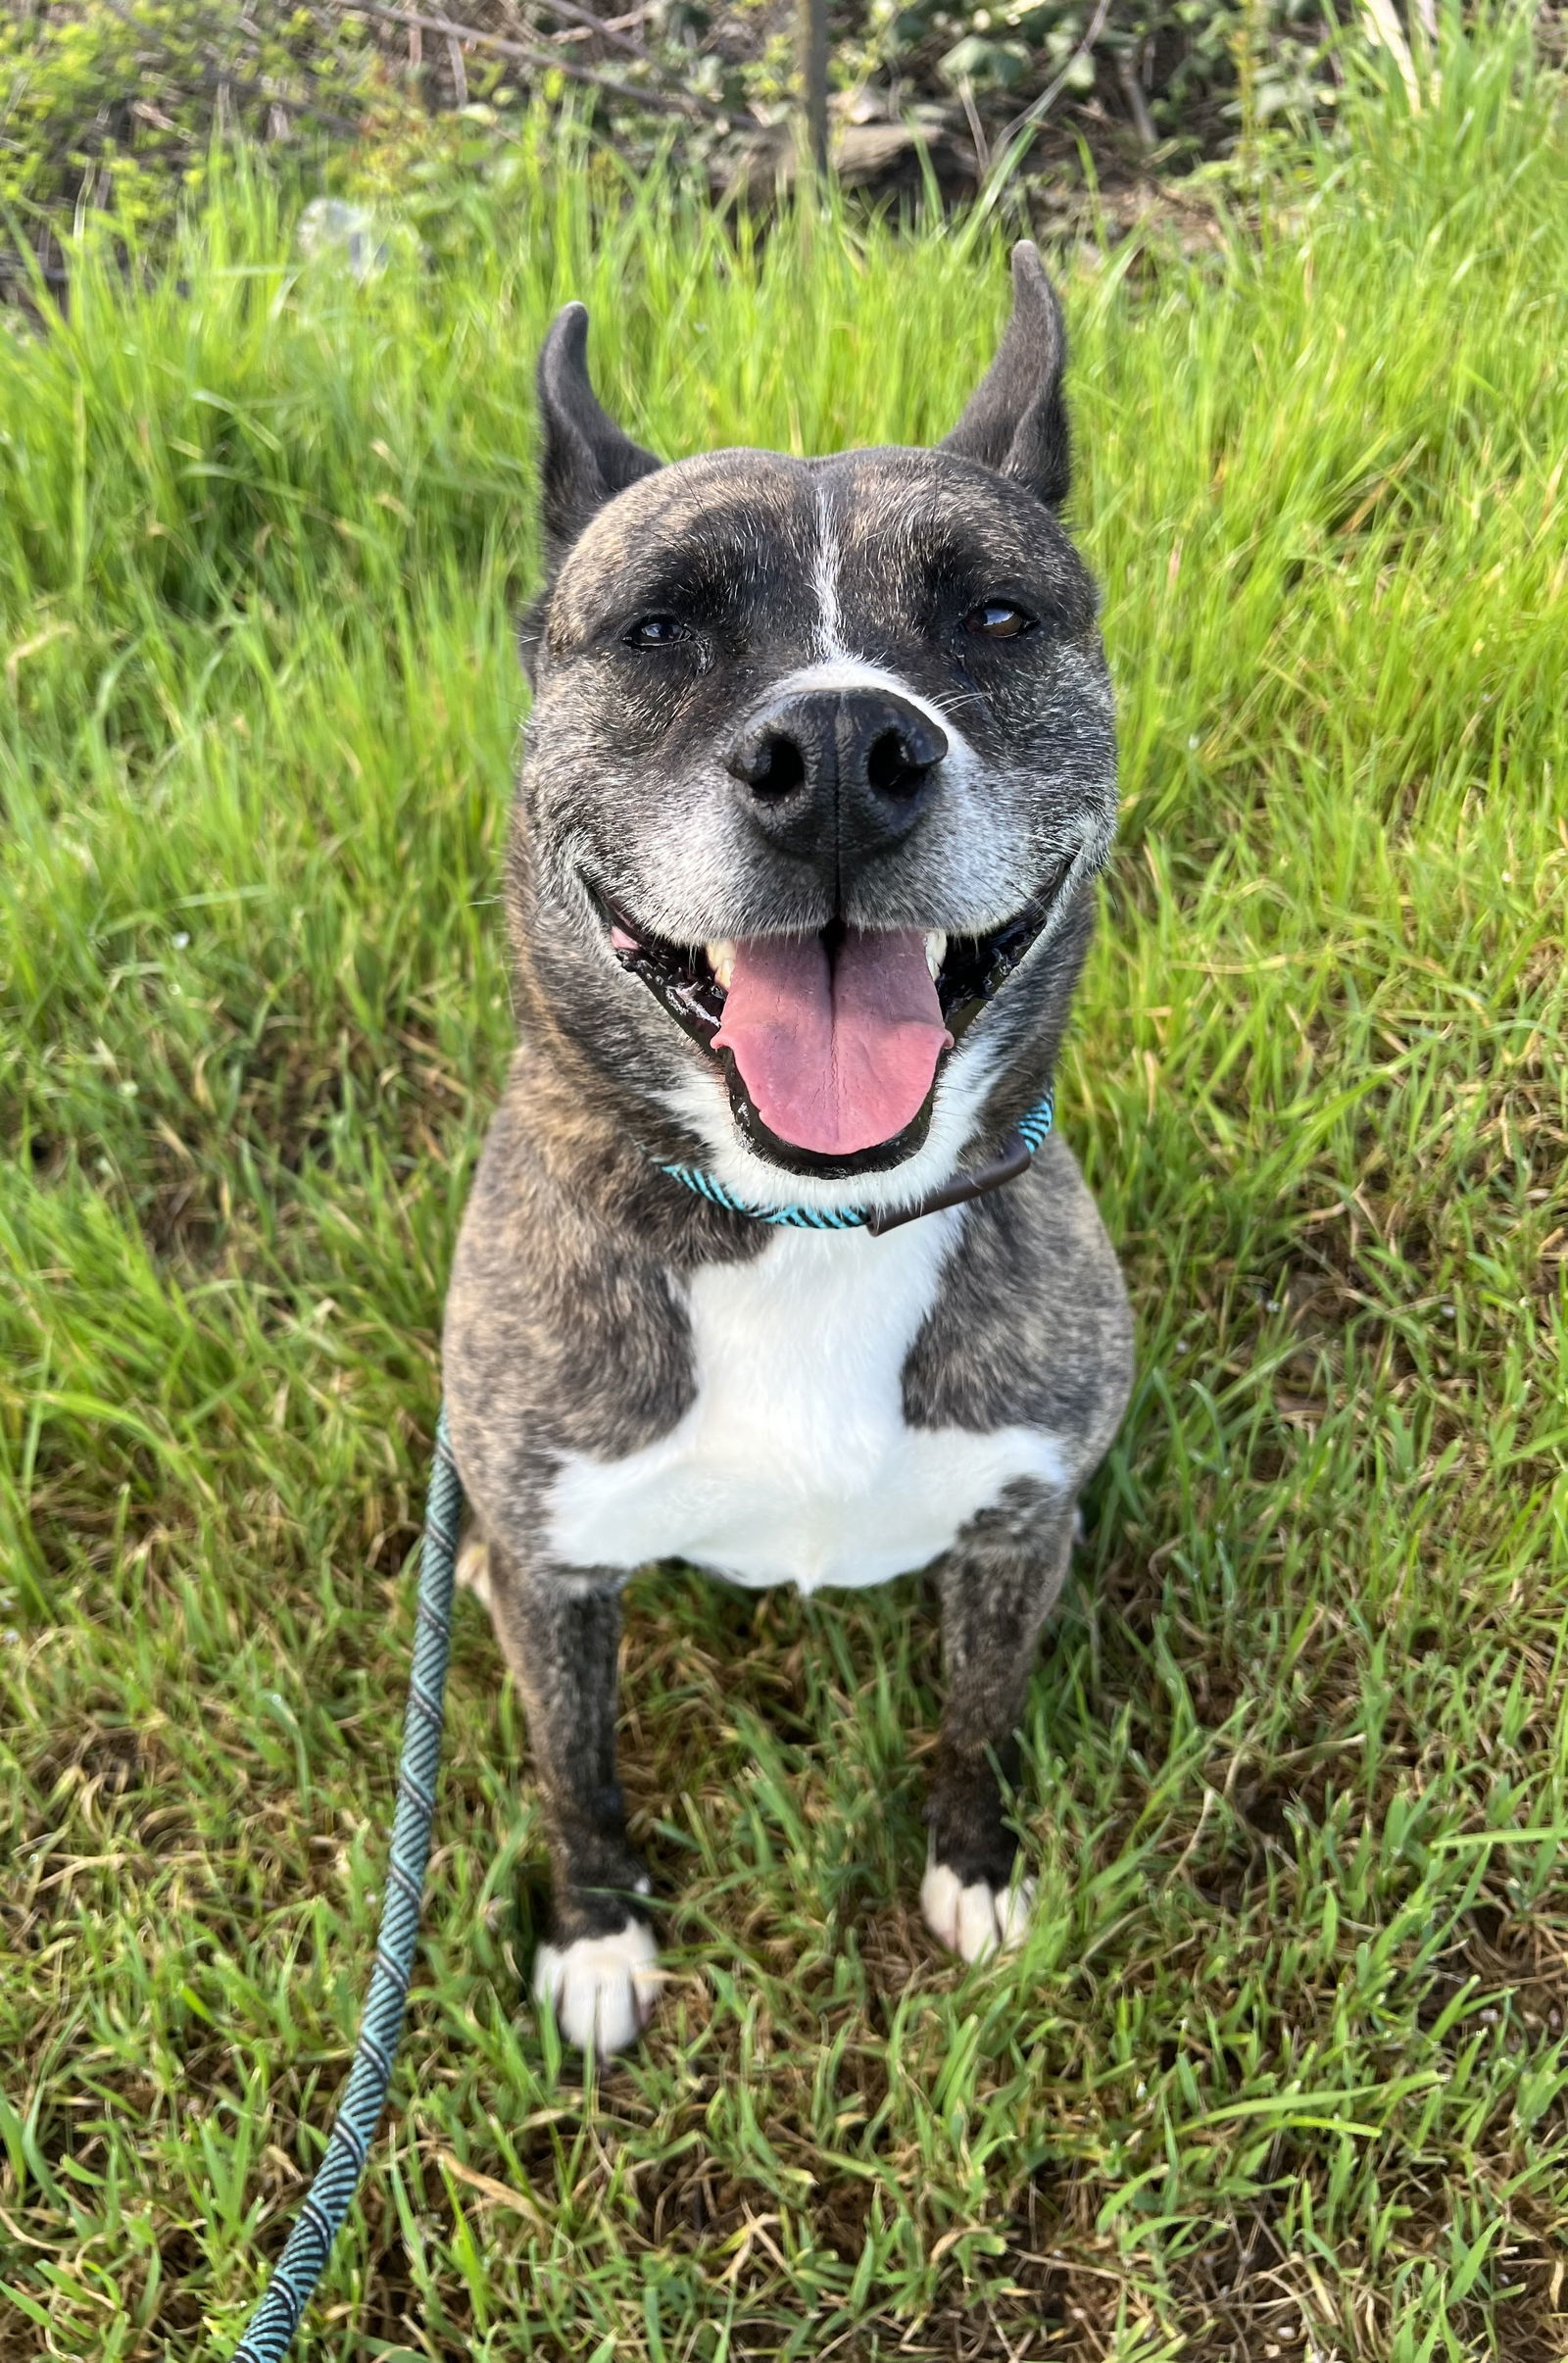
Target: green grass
(1281,2069)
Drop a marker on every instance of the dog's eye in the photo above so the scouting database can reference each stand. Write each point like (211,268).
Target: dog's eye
(997,619)
(654,631)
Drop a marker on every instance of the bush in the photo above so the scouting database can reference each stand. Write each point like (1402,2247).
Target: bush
(111,111)
(110,108)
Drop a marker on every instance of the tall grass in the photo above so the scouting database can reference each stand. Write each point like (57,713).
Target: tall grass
(1281,2070)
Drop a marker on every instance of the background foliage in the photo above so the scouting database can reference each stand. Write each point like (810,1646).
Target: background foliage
(110,107)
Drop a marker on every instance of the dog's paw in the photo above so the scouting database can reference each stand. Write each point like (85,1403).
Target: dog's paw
(603,1988)
(978,1919)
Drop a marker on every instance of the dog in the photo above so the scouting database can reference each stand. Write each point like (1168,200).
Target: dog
(758,1271)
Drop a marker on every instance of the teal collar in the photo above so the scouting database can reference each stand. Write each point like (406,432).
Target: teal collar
(1011,1159)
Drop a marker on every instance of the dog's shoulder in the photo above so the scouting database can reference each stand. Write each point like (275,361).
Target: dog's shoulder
(566,1328)
(1031,1325)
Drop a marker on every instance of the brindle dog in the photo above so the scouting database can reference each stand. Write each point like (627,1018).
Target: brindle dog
(819,775)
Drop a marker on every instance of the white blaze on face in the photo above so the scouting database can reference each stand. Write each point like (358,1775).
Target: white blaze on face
(830,649)
(836,665)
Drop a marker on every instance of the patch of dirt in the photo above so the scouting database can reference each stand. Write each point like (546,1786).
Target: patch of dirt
(178,2307)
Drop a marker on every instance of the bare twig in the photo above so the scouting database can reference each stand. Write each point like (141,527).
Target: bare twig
(1132,90)
(812,44)
(977,129)
(677,101)
(1038,108)
(607,31)
(673,101)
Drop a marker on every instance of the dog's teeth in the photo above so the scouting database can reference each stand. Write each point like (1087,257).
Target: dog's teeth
(936,950)
(721,959)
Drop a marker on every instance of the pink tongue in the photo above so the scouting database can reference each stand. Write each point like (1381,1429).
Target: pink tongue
(837,1054)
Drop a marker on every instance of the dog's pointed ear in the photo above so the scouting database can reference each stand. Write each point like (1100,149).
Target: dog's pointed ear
(585,458)
(1016,422)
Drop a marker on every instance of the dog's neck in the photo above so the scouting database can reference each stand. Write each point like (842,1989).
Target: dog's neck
(1012,1159)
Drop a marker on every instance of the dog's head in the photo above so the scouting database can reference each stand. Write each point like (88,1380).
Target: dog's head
(820,769)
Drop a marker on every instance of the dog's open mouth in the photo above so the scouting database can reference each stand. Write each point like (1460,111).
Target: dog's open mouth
(830,1044)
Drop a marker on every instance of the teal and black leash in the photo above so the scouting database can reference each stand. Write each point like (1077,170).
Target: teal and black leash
(1014,1157)
(326,2203)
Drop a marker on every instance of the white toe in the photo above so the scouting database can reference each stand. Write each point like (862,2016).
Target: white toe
(603,1988)
(978,1919)
(939,1901)
(1014,1909)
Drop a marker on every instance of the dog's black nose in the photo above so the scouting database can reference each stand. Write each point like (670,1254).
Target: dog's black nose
(838,776)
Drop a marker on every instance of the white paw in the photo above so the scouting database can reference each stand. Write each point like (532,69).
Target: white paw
(977,1919)
(603,1988)
(473,1570)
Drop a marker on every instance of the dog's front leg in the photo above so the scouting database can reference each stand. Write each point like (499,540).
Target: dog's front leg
(561,1635)
(997,1586)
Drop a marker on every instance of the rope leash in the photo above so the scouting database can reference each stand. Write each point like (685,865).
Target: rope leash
(1025,1138)
(327,2202)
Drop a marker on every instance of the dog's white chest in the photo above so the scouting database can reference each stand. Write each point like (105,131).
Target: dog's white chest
(794,1463)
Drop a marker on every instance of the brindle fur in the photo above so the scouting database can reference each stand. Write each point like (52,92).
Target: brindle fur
(565,1329)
